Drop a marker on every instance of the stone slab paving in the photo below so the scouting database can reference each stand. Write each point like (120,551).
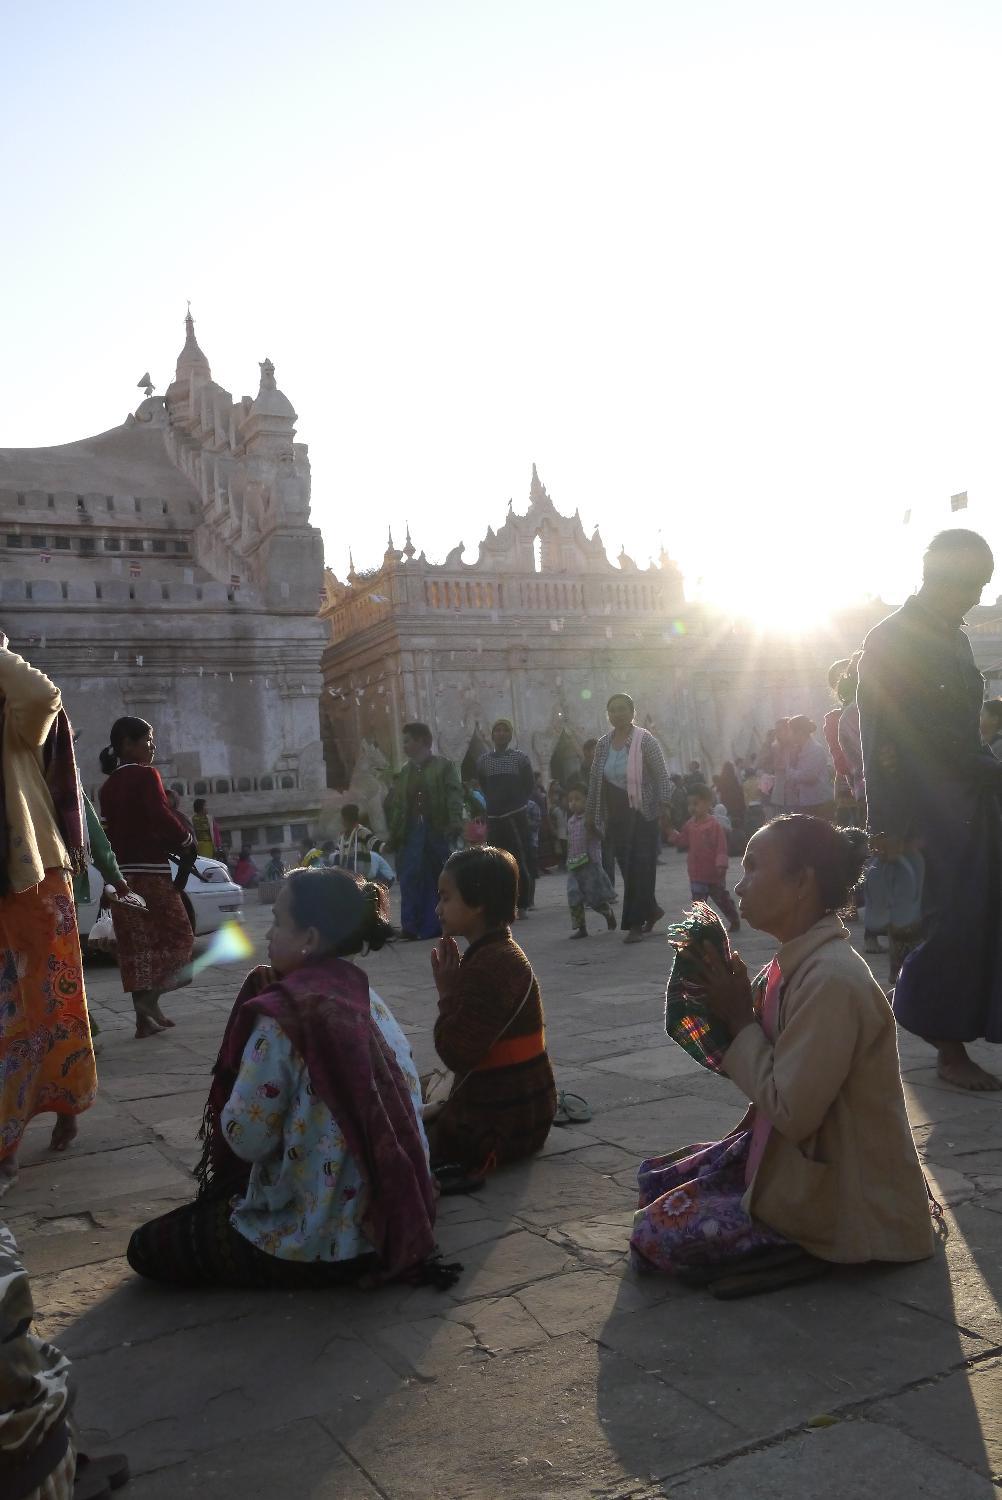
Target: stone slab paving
(550,1369)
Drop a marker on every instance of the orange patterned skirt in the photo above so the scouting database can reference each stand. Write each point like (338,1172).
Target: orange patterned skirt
(46,1056)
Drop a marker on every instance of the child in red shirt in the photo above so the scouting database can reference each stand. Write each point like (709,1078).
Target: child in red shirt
(706,845)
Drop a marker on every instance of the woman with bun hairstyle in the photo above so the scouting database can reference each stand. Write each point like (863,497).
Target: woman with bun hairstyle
(823,1161)
(315,1168)
(154,945)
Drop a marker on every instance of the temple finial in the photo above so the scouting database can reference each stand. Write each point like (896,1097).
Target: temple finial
(537,490)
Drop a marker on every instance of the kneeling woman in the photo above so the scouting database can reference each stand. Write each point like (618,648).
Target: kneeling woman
(315,1169)
(824,1158)
(489,1029)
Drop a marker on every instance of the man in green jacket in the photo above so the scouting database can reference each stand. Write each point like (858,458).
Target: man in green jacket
(424,815)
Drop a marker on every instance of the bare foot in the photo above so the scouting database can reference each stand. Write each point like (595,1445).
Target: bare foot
(164,1022)
(63,1132)
(954,1066)
(146,1026)
(652,922)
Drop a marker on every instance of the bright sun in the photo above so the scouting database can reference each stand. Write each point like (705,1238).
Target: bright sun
(777,599)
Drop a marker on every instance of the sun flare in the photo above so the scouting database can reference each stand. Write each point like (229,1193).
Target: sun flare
(777,600)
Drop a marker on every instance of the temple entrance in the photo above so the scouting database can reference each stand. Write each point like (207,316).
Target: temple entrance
(474,750)
(565,762)
(338,776)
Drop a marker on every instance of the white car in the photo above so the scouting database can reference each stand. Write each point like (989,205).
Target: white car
(209,902)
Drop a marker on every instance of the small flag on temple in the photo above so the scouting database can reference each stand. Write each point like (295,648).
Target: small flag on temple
(45,557)
(135,570)
(906,518)
(959,502)
(235,579)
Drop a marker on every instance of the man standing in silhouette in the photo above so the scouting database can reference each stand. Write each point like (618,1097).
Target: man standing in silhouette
(507,782)
(932,784)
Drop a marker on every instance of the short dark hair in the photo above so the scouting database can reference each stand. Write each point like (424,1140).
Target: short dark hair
(577,786)
(198,805)
(836,855)
(486,877)
(351,914)
(694,765)
(276,850)
(122,730)
(836,672)
(993,708)
(418,731)
(350,810)
(947,548)
(625,697)
(701,792)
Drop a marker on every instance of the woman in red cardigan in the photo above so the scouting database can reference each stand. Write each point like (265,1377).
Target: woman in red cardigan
(154,946)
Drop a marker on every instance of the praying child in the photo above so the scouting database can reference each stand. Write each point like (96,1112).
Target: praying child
(587,882)
(706,849)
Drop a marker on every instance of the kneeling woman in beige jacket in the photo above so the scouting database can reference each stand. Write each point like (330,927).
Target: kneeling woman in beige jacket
(823,1162)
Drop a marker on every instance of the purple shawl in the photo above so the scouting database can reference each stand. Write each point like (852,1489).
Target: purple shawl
(323,1008)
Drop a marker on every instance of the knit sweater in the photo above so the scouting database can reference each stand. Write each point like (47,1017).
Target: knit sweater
(31,703)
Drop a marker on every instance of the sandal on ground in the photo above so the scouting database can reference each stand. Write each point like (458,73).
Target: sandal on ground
(652,922)
(635,935)
(454,1178)
(97,1477)
(571,1109)
(753,1283)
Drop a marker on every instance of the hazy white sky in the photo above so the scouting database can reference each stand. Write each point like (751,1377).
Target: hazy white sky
(728,272)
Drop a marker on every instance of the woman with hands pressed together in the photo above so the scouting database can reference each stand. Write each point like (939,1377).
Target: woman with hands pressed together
(823,1161)
(489,1029)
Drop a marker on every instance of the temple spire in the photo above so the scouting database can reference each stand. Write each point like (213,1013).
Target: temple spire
(409,548)
(537,490)
(191,360)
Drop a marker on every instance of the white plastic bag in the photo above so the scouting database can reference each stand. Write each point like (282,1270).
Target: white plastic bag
(102,934)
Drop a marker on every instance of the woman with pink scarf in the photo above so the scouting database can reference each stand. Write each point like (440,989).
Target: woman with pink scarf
(628,789)
(822,1168)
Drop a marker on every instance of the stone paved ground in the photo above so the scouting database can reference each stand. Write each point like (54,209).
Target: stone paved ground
(550,1369)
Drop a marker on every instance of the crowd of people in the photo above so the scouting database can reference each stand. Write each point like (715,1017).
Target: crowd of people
(324,1156)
